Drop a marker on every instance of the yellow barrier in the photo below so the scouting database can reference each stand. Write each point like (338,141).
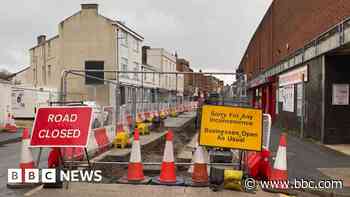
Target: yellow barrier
(233,179)
(143,128)
(121,140)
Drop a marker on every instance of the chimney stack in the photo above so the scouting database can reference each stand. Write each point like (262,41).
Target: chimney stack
(90,6)
(41,39)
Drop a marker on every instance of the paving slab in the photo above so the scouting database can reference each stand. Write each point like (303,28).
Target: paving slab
(343,148)
(116,190)
(180,121)
(338,174)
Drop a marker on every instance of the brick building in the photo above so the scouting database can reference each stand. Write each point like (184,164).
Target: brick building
(296,67)
(182,65)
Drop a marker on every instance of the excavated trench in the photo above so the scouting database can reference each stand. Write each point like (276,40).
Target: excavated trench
(150,153)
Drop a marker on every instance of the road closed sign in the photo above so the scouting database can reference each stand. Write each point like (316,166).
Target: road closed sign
(61,127)
(231,127)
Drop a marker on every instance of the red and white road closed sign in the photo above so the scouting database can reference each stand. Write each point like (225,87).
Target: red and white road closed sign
(61,127)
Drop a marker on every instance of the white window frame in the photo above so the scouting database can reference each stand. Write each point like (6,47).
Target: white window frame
(136,45)
(136,68)
(124,66)
(123,38)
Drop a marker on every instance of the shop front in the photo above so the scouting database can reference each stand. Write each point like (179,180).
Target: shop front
(290,104)
(264,95)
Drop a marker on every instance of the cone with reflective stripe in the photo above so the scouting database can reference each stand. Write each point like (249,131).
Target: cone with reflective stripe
(279,171)
(168,168)
(27,161)
(135,167)
(200,169)
(10,125)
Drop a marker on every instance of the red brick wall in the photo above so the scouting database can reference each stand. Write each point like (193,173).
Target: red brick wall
(292,22)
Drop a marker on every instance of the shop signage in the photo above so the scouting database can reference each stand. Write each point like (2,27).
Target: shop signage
(288,98)
(293,77)
(340,94)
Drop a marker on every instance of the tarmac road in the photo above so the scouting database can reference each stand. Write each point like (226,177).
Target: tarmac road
(9,158)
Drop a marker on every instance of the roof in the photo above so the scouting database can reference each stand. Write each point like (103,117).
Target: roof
(254,34)
(22,70)
(46,41)
(126,28)
(113,22)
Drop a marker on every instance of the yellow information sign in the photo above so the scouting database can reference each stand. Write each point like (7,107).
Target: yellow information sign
(231,127)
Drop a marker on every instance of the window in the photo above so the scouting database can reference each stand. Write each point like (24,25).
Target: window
(124,67)
(94,65)
(136,45)
(124,38)
(49,48)
(122,95)
(49,71)
(130,94)
(136,68)
(43,74)
(145,75)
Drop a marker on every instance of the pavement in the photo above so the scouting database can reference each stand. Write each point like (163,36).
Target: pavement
(343,148)
(309,160)
(179,121)
(306,160)
(117,190)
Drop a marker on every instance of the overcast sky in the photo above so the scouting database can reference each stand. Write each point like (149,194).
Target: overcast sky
(212,35)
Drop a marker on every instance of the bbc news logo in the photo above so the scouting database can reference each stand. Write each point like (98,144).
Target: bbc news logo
(52,175)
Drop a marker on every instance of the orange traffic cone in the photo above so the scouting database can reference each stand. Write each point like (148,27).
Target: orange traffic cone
(279,171)
(10,125)
(135,166)
(26,161)
(168,168)
(200,168)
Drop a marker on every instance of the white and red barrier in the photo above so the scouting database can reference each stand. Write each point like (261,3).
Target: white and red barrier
(100,141)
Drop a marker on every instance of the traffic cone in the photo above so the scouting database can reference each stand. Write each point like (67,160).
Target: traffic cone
(200,168)
(135,166)
(265,166)
(279,171)
(168,168)
(10,125)
(26,162)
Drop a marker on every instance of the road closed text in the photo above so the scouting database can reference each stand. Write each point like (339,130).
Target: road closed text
(60,133)
(61,126)
(56,133)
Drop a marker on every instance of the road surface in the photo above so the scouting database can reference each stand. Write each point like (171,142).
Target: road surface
(9,158)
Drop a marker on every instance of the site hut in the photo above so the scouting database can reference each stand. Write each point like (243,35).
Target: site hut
(5,104)
(301,78)
(164,61)
(86,40)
